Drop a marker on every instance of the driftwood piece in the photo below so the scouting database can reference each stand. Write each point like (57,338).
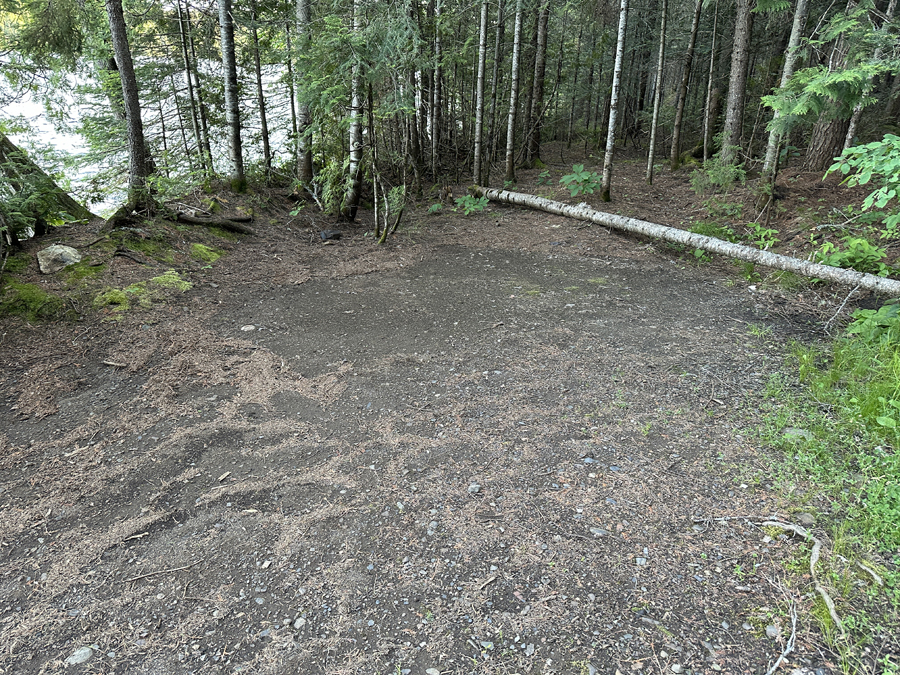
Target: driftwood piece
(230,224)
(889,287)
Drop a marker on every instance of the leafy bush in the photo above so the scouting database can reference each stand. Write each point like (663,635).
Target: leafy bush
(581,181)
(879,160)
(717,176)
(763,237)
(859,255)
(877,325)
(470,204)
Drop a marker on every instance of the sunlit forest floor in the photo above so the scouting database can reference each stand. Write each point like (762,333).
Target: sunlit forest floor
(506,442)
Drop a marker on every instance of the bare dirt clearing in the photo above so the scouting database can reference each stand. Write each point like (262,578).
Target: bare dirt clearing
(496,446)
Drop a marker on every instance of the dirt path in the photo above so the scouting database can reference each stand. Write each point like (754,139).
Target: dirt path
(497,448)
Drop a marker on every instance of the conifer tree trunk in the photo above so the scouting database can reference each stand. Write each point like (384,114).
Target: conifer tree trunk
(737,82)
(675,155)
(513,97)
(614,104)
(304,145)
(495,80)
(354,171)
(260,94)
(479,94)
(790,60)
(140,164)
(657,93)
(21,173)
(830,129)
(574,98)
(711,107)
(537,91)
(436,93)
(232,102)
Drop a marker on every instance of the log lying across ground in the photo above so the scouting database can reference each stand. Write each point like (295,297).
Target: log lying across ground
(889,287)
(230,224)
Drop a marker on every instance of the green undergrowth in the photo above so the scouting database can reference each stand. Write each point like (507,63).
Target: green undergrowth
(142,294)
(29,301)
(839,428)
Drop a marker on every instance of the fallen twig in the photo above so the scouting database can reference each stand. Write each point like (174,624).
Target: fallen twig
(152,574)
(792,640)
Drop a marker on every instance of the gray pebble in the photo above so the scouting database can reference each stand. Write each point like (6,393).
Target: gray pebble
(677,668)
(641,561)
(725,625)
(299,622)
(432,671)
(772,631)
(806,519)
(80,655)
(597,532)
(474,488)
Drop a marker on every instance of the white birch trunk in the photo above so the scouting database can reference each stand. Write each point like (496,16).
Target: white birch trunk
(657,94)
(614,104)
(354,190)
(436,102)
(513,98)
(889,287)
(479,94)
(790,60)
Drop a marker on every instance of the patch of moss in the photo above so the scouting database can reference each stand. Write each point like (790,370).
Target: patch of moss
(172,279)
(223,234)
(83,270)
(17,263)
(115,299)
(29,301)
(602,281)
(205,253)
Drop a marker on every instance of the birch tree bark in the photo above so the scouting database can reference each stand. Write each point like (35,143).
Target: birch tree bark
(140,162)
(232,103)
(513,97)
(737,82)
(790,60)
(657,93)
(675,155)
(354,173)
(614,104)
(890,287)
(479,94)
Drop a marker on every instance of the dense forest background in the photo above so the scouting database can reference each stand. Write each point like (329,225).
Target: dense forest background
(338,97)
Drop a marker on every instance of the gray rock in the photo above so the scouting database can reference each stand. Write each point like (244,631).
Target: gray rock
(54,258)
(641,561)
(474,488)
(432,671)
(676,668)
(598,532)
(529,650)
(796,434)
(806,519)
(81,655)
(772,631)
(299,622)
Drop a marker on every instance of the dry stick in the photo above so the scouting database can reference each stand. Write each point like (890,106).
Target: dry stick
(841,308)
(151,574)
(869,282)
(792,640)
(813,559)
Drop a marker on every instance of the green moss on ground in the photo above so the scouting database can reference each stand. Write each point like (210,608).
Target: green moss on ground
(205,253)
(29,301)
(144,293)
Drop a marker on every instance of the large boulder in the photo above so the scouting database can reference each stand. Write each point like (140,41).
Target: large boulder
(54,258)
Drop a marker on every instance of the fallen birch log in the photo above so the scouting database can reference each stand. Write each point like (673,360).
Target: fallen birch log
(889,287)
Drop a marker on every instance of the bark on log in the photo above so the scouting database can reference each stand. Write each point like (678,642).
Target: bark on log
(225,223)
(889,287)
